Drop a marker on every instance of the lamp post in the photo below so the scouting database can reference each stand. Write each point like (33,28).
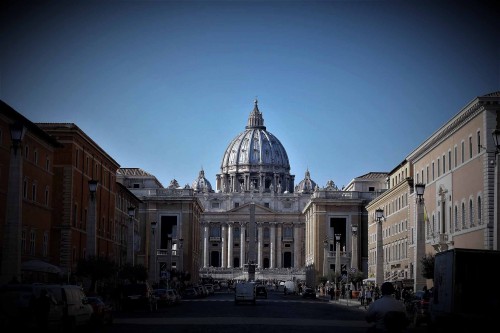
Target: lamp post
(354,257)
(419,280)
(379,275)
(11,255)
(325,258)
(181,254)
(337,259)
(490,226)
(131,215)
(153,229)
(91,223)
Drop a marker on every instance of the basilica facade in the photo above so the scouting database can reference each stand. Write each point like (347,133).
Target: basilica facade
(256,214)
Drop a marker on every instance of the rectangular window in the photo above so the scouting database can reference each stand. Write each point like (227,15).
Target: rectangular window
(463,152)
(35,157)
(46,197)
(439,167)
(23,241)
(45,250)
(470,147)
(32,242)
(478,142)
(449,160)
(33,192)
(433,176)
(47,164)
(444,164)
(456,156)
(236,204)
(215,205)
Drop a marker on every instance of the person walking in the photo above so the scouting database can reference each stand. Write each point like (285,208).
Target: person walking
(42,310)
(378,311)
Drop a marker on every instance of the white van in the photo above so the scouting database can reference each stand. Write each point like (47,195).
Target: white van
(244,292)
(289,288)
(76,309)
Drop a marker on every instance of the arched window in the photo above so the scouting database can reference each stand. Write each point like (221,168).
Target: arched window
(455,218)
(463,215)
(479,209)
(471,213)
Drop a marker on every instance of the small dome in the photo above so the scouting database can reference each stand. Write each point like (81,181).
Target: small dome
(201,184)
(306,185)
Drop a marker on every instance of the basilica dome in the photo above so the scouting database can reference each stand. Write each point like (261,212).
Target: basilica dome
(201,184)
(255,160)
(306,185)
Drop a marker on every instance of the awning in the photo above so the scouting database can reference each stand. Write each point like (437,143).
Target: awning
(40,266)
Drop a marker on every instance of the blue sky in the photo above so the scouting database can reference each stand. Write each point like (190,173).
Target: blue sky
(348,87)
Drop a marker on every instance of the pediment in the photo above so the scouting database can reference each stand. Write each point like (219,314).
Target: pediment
(245,209)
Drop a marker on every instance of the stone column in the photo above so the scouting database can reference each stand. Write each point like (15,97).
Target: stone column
(259,246)
(230,245)
(296,246)
(243,242)
(223,246)
(272,247)
(279,244)
(206,261)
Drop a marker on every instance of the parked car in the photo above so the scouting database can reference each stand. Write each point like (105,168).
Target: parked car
(139,296)
(103,313)
(17,308)
(190,293)
(210,289)
(420,308)
(77,311)
(177,296)
(309,293)
(261,291)
(164,297)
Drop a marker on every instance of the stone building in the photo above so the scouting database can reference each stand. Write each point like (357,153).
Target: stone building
(457,167)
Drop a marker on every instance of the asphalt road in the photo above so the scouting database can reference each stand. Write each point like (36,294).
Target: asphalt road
(219,314)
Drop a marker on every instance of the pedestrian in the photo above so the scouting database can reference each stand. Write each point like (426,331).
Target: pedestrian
(368,297)
(42,310)
(378,310)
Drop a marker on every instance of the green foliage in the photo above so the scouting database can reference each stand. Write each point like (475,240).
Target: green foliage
(137,273)
(428,266)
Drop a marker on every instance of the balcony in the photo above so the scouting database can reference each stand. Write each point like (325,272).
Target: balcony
(441,242)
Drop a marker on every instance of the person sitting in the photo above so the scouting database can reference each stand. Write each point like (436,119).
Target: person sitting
(396,321)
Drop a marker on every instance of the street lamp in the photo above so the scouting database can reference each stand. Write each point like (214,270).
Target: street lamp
(153,229)
(181,254)
(131,214)
(337,257)
(354,257)
(91,223)
(379,275)
(325,257)
(419,280)
(17,131)
(11,255)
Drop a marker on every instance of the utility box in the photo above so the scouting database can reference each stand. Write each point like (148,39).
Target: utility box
(465,293)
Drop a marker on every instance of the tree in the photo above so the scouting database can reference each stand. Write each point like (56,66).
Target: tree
(356,278)
(95,268)
(134,274)
(428,266)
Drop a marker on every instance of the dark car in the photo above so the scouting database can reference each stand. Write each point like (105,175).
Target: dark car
(309,293)
(261,291)
(103,313)
(139,296)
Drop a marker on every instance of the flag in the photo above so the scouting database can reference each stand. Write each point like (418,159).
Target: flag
(426,217)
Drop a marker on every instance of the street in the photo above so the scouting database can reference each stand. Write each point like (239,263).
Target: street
(218,313)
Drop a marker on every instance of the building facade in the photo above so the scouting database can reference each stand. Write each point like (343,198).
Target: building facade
(457,166)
